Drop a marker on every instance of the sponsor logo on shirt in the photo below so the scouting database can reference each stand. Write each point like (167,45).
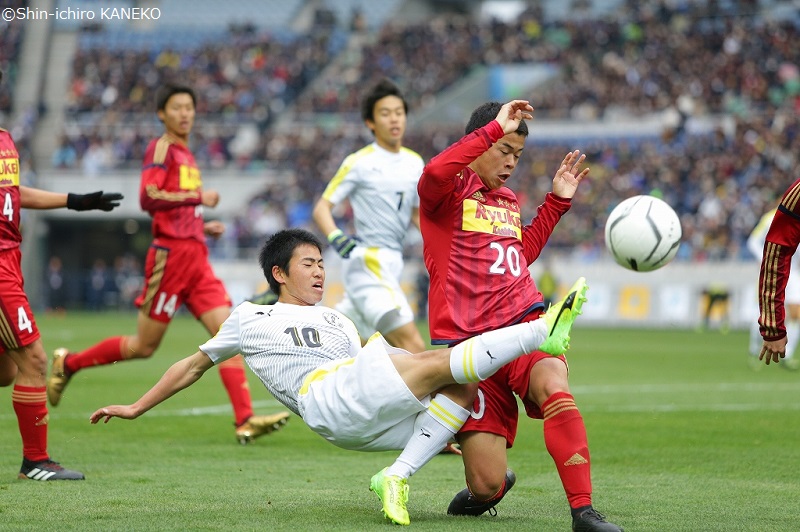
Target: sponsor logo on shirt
(494,220)
(9,172)
(189,178)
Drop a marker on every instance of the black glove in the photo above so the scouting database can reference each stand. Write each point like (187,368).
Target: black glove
(94,200)
(344,244)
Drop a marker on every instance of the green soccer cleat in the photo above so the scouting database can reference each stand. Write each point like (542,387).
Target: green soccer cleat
(393,493)
(560,316)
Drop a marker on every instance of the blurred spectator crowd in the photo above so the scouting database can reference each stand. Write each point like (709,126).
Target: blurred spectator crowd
(679,59)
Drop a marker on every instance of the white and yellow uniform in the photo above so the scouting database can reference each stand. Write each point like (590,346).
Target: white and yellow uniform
(311,360)
(382,189)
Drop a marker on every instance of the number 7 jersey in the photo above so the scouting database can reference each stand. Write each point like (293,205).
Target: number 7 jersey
(476,248)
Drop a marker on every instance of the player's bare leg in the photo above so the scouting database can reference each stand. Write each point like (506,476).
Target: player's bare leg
(406,337)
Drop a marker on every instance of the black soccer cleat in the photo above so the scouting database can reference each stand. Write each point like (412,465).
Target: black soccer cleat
(465,504)
(590,520)
(47,470)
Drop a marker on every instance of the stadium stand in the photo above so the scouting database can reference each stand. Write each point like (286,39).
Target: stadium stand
(718,80)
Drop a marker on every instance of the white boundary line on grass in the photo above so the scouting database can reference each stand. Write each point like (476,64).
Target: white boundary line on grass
(631,390)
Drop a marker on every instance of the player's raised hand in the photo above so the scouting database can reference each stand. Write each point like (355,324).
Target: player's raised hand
(512,113)
(107,412)
(103,201)
(569,175)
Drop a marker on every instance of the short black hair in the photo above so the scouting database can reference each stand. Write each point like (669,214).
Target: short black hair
(381,90)
(278,251)
(487,112)
(165,92)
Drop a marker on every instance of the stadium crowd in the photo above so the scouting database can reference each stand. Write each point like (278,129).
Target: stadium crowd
(681,59)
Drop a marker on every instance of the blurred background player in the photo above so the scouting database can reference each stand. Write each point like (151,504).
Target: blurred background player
(177,268)
(380,180)
(375,398)
(477,252)
(755,244)
(780,245)
(23,361)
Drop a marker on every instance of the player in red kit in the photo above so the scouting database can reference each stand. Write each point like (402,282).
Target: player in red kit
(177,269)
(477,251)
(23,361)
(781,243)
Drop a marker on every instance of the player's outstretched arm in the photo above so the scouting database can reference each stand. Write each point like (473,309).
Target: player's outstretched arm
(35,198)
(180,375)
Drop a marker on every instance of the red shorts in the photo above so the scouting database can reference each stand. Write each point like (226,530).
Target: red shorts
(178,272)
(495,409)
(17,326)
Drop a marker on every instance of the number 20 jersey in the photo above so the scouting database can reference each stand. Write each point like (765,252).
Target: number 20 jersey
(476,248)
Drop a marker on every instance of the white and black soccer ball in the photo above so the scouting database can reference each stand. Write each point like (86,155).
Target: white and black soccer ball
(643,233)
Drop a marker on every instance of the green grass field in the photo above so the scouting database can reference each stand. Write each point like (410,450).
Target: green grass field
(684,436)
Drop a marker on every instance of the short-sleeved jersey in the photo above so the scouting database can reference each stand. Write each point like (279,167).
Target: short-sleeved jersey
(10,236)
(476,249)
(382,188)
(170,190)
(283,343)
(781,243)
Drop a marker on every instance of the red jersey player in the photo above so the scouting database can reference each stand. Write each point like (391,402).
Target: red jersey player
(477,251)
(177,269)
(781,243)
(23,361)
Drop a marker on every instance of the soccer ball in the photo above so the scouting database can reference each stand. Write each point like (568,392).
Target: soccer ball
(643,233)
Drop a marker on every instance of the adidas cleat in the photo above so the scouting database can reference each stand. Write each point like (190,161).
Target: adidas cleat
(590,520)
(465,504)
(393,493)
(58,376)
(260,425)
(47,470)
(560,317)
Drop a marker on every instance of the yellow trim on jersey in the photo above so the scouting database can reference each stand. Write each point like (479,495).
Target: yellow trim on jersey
(162,147)
(7,333)
(480,218)
(154,283)
(445,418)
(347,165)
(319,374)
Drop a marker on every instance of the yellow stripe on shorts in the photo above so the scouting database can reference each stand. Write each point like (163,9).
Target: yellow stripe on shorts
(319,374)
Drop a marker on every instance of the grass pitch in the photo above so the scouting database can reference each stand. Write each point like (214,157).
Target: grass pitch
(684,436)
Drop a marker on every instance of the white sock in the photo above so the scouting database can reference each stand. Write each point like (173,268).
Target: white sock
(433,428)
(792,337)
(480,357)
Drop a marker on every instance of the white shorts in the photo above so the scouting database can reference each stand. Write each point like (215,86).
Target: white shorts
(362,403)
(374,300)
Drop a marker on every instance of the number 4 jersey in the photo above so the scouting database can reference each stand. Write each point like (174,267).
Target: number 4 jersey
(10,236)
(476,248)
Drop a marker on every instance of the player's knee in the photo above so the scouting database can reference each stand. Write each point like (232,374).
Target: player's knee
(486,487)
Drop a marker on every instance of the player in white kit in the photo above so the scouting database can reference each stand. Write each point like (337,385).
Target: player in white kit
(380,181)
(374,398)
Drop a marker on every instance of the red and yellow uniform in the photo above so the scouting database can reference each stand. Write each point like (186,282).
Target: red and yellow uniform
(781,243)
(477,252)
(177,269)
(17,326)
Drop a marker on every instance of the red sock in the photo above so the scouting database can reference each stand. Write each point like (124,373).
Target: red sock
(565,439)
(235,381)
(106,352)
(31,409)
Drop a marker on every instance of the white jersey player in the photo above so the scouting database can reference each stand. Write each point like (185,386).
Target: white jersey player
(380,181)
(370,398)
